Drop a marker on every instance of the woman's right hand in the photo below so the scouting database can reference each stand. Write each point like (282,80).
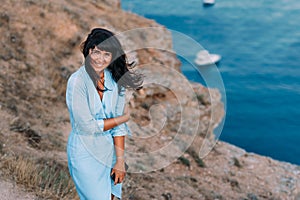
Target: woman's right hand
(119,171)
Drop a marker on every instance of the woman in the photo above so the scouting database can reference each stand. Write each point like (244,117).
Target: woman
(95,98)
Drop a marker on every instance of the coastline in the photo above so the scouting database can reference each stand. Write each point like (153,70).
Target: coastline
(227,172)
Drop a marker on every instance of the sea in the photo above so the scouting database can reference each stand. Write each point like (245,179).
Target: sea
(259,42)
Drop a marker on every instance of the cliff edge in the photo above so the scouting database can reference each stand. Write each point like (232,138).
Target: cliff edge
(40,49)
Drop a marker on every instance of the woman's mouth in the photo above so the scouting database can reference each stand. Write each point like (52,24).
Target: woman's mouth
(99,64)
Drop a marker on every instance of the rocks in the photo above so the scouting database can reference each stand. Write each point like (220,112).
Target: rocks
(19,126)
(114,4)
(297,197)
(167,196)
(251,196)
(172,119)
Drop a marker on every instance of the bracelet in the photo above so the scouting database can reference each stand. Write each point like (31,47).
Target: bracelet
(120,157)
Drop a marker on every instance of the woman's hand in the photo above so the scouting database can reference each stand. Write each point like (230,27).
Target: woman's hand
(119,171)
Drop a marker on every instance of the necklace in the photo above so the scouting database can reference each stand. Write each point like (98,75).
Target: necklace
(100,82)
(100,85)
(102,75)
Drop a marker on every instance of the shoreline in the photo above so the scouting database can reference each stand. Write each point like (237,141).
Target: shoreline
(225,122)
(227,172)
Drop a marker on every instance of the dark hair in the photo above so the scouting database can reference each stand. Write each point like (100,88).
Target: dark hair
(107,41)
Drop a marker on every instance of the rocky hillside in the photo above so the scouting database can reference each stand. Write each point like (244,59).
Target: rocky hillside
(40,49)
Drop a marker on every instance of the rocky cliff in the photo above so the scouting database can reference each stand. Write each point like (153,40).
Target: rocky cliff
(172,118)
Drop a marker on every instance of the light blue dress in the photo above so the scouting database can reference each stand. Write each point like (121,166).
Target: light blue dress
(90,150)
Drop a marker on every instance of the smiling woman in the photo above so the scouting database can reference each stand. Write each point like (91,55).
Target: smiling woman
(96,102)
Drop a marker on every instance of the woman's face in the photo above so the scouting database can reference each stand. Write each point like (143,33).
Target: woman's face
(99,59)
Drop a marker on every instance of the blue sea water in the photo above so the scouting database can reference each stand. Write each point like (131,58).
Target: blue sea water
(260,46)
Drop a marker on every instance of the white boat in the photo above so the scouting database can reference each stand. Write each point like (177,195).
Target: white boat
(204,58)
(208,2)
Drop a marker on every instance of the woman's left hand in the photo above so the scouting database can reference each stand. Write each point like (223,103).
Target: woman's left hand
(119,171)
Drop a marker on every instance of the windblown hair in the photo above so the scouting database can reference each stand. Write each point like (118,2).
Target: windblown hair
(107,41)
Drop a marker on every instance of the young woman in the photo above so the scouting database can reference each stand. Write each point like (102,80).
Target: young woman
(95,99)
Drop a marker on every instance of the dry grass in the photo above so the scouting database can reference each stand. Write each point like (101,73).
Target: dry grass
(48,179)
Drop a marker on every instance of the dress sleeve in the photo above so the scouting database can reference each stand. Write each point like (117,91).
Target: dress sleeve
(77,102)
(122,129)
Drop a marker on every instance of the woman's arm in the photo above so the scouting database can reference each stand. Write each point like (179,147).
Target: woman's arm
(112,122)
(119,141)
(121,109)
(119,168)
(77,102)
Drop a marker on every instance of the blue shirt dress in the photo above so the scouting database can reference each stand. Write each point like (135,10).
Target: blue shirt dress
(90,149)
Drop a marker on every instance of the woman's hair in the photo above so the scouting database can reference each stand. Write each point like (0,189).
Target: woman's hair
(107,41)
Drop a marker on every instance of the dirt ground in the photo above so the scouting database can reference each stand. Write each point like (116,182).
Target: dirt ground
(10,191)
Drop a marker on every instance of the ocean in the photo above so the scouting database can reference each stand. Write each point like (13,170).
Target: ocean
(259,42)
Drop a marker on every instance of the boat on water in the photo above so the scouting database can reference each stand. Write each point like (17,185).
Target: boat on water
(204,58)
(208,2)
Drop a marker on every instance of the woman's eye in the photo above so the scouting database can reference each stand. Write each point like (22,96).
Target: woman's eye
(96,52)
